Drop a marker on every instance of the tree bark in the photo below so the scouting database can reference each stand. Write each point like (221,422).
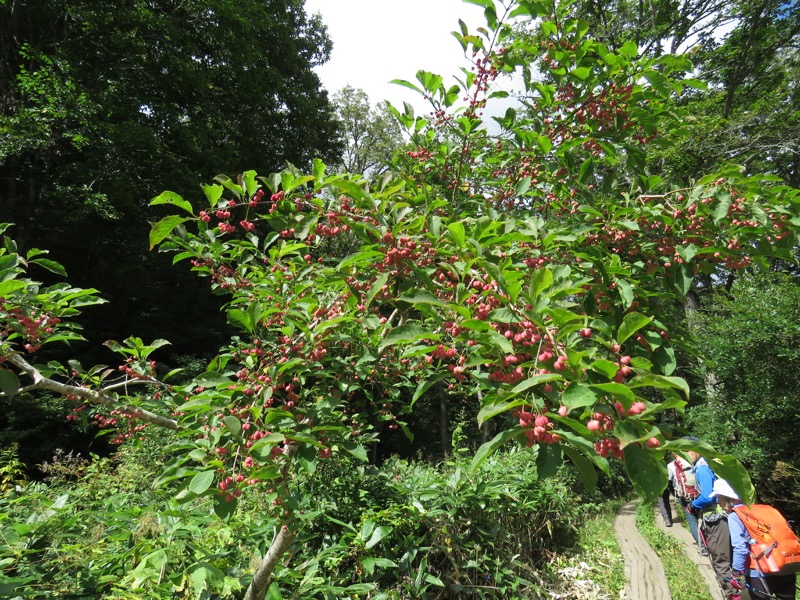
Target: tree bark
(691,304)
(444,421)
(40,382)
(257,589)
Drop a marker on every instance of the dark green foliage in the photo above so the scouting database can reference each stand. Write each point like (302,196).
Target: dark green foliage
(751,340)
(103,106)
(38,424)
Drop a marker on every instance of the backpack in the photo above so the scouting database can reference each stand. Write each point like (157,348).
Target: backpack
(774,547)
(685,480)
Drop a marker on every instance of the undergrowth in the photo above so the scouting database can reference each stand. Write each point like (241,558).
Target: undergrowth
(404,530)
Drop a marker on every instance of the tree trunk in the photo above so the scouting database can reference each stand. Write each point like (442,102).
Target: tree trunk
(257,589)
(444,421)
(691,304)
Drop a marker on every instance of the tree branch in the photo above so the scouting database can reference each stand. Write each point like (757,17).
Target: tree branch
(40,382)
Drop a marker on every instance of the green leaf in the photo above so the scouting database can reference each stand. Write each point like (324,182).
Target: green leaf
(50,265)
(213,193)
(425,385)
(375,288)
(12,285)
(206,576)
(9,383)
(262,449)
(173,199)
(421,297)
(164,228)
(370,564)
(430,81)
(357,450)
(224,509)
(684,275)
(492,410)
(535,380)
(582,72)
(233,425)
(377,535)
(405,334)
(578,395)
(615,389)
(406,84)
(646,469)
(584,466)
(625,292)
(586,170)
(687,252)
(274,592)
(457,232)
(605,367)
(632,323)
(721,211)
(549,458)
(201,482)
(659,382)
(489,447)
(240,318)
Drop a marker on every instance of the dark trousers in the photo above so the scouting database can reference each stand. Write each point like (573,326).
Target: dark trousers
(665,508)
(690,519)
(782,587)
(718,541)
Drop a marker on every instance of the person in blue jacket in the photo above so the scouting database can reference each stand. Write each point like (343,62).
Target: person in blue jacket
(782,587)
(712,525)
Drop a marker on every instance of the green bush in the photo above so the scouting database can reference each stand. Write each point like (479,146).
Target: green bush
(403,530)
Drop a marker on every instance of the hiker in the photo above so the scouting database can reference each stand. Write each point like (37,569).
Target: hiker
(663,503)
(683,482)
(781,587)
(712,526)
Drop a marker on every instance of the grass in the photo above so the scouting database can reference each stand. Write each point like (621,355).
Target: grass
(683,579)
(597,560)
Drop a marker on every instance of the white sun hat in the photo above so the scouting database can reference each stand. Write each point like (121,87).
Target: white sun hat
(723,488)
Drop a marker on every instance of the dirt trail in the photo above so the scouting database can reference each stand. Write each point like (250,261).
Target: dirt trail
(643,569)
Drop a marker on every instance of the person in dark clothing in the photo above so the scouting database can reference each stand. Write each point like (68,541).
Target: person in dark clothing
(760,586)
(713,525)
(664,505)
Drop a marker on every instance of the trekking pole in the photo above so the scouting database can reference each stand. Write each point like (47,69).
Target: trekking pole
(754,593)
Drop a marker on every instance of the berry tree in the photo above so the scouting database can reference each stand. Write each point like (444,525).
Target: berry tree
(530,270)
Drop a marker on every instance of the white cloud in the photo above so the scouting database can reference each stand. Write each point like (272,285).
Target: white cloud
(375,41)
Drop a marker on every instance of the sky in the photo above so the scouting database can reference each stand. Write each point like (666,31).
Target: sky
(375,41)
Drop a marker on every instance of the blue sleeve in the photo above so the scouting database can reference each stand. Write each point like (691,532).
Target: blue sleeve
(739,540)
(705,481)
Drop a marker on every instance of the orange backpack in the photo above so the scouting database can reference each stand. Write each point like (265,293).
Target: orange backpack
(774,547)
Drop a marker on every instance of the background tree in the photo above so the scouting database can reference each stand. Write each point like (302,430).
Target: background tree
(750,339)
(370,135)
(746,51)
(102,107)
